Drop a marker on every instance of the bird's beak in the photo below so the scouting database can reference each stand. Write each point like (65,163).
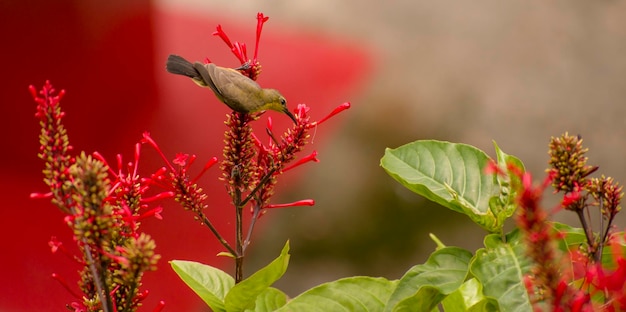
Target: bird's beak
(286,111)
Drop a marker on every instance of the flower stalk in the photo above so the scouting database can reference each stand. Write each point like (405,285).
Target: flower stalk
(568,166)
(102,208)
(249,168)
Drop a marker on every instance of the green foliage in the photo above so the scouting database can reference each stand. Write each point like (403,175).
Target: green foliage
(425,285)
(449,174)
(503,205)
(243,295)
(348,294)
(269,300)
(219,292)
(209,283)
(452,279)
(500,267)
(469,297)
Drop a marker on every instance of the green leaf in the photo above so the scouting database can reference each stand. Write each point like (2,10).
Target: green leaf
(244,294)
(500,268)
(425,285)
(571,238)
(449,174)
(269,300)
(505,160)
(210,283)
(503,205)
(611,254)
(469,297)
(351,294)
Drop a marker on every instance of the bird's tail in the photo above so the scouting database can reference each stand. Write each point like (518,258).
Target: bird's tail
(180,66)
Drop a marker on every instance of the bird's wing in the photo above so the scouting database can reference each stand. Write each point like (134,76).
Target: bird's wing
(204,73)
(235,88)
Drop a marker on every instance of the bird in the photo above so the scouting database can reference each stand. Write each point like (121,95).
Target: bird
(232,88)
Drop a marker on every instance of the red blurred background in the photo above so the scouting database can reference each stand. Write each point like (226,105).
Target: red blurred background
(109,57)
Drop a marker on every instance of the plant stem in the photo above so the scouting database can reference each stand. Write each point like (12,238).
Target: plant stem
(238,236)
(588,232)
(603,232)
(219,237)
(240,243)
(255,216)
(258,186)
(101,288)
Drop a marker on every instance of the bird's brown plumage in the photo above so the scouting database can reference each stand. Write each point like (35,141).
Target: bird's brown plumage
(237,91)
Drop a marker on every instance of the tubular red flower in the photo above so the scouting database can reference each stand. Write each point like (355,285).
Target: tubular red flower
(304,202)
(241,52)
(65,285)
(136,162)
(159,196)
(159,306)
(335,111)
(124,262)
(101,158)
(234,47)
(156,212)
(192,159)
(303,160)
(239,49)
(219,32)
(148,139)
(41,195)
(207,166)
(261,19)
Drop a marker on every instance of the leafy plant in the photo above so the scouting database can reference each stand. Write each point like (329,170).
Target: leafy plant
(539,265)
(521,270)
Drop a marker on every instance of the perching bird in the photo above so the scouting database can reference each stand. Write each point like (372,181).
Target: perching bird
(239,92)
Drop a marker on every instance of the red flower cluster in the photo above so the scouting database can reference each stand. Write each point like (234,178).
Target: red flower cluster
(253,70)
(104,206)
(101,211)
(249,167)
(546,282)
(588,282)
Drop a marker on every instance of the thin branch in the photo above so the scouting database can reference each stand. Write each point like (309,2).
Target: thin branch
(258,186)
(219,237)
(255,216)
(238,235)
(587,229)
(101,286)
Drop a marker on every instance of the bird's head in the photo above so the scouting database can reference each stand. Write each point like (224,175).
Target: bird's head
(275,101)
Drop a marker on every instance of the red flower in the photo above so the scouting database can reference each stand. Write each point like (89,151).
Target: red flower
(101,207)
(239,49)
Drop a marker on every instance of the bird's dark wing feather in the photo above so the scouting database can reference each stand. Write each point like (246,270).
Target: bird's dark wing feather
(235,88)
(202,69)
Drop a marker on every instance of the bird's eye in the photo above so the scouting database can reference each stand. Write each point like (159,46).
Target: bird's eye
(283,102)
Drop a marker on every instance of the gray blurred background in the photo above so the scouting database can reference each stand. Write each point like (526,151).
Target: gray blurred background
(516,72)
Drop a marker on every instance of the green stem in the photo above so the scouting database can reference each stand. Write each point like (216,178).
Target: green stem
(588,232)
(101,286)
(258,186)
(255,216)
(239,236)
(217,234)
